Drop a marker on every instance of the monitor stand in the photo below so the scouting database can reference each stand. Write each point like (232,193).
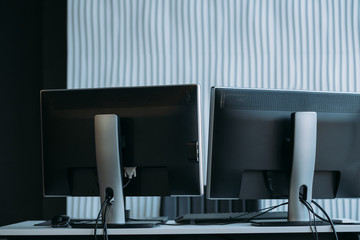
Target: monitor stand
(302,172)
(108,160)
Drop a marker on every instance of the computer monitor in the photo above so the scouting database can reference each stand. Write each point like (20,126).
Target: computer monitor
(148,137)
(266,144)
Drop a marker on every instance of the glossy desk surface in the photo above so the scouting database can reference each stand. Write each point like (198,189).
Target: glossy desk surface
(27,228)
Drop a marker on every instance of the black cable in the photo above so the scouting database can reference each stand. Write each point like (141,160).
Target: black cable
(311,211)
(321,218)
(127,183)
(314,213)
(328,218)
(107,210)
(261,212)
(109,200)
(314,219)
(98,218)
(272,207)
(268,210)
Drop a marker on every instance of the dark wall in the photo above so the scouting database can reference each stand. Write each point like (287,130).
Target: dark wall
(29,62)
(54,45)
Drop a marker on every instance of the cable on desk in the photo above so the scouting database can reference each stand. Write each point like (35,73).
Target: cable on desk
(313,219)
(99,216)
(107,210)
(328,219)
(108,202)
(261,212)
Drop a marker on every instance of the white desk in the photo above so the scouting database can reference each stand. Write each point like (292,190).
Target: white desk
(236,230)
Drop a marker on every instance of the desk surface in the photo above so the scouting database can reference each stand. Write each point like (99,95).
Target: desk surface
(28,229)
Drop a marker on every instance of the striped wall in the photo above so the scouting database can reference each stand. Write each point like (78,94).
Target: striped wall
(336,208)
(88,207)
(281,44)
(302,44)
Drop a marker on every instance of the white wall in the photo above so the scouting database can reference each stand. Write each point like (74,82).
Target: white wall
(282,44)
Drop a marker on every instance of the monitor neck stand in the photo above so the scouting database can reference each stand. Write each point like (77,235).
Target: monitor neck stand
(108,160)
(108,164)
(302,172)
(303,165)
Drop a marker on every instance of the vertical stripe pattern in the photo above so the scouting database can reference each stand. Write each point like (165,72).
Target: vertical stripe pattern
(281,44)
(88,207)
(340,208)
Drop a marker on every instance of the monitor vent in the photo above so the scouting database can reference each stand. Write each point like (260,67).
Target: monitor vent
(248,99)
(121,97)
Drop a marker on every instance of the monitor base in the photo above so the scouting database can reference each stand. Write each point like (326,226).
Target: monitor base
(277,222)
(131,224)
